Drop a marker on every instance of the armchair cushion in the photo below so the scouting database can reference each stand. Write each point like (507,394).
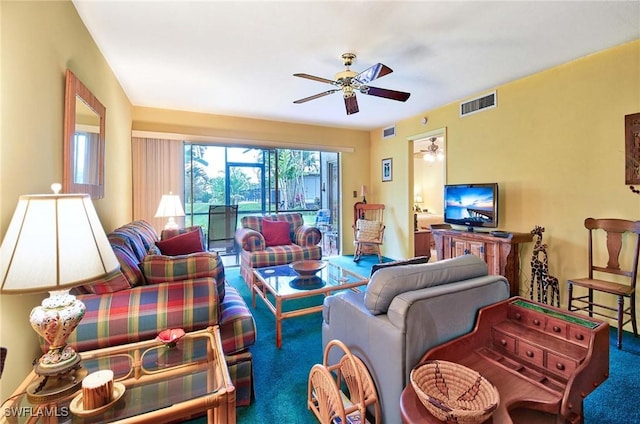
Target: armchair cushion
(388,283)
(368,230)
(172,232)
(137,314)
(162,269)
(182,244)
(276,233)
(129,265)
(110,284)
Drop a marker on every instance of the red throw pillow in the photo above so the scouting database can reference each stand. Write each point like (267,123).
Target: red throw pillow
(182,244)
(276,233)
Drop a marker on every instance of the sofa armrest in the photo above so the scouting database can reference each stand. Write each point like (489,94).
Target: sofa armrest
(435,315)
(306,235)
(374,339)
(250,240)
(142,312)
(391,344)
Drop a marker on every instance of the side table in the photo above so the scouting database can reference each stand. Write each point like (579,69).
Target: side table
(161,384)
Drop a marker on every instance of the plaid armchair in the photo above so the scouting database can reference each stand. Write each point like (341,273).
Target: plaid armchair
(302,243)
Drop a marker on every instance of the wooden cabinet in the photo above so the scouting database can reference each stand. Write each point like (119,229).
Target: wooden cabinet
(500,253)
(422,243)
(543,360)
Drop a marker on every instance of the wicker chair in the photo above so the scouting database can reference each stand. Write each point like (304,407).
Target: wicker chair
(328,402)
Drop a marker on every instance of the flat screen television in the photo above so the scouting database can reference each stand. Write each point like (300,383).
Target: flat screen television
(471,205)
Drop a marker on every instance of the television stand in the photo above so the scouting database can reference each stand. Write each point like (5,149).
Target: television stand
(500,253)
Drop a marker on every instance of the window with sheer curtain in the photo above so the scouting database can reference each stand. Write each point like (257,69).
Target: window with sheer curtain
(158,168)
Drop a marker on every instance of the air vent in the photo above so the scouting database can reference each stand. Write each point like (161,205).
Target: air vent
(478,104)
(389,132)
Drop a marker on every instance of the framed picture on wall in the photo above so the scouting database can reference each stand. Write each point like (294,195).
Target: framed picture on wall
(632,148)
(387,169)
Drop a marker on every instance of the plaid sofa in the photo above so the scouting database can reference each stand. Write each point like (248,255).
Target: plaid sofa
(153,292)
(255,253)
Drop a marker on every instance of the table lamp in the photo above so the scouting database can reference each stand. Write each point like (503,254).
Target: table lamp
(417,202)
(55,242)
(170,207)
(363,193)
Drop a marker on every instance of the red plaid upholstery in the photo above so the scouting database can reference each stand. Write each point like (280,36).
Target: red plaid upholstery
(110,284)
(167,234)
(187,291)
(305,241)
(140,313)
(161,269)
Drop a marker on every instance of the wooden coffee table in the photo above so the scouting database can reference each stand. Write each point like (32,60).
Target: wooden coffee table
(161,385)
(276,284)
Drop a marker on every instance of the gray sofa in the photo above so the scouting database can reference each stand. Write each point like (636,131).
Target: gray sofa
(405,311)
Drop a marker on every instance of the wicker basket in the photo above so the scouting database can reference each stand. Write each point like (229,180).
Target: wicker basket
(454,393)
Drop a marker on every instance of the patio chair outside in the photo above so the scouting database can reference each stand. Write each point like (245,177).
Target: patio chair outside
(223,221)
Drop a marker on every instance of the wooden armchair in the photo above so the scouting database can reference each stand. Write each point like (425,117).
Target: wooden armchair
(368,230)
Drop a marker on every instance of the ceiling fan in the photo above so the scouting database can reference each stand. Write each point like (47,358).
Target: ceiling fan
(349,82)
(431,153)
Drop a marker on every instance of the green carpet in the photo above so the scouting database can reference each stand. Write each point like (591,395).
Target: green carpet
(280,375)
(362,267)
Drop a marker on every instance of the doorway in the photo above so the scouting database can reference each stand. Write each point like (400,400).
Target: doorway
(429,177)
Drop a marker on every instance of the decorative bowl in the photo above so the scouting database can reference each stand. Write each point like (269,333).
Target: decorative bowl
(307,268)
(454,393)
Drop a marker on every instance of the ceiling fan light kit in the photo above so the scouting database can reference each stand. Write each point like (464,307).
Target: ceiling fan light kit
(433,152)
(349,82)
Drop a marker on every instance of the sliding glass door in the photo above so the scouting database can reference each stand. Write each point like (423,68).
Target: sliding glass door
(261,181)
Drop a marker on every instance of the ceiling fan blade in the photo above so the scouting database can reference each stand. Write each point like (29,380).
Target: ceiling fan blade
(351,103)
(401,96)
(376,71)
(314,78)
(316,96)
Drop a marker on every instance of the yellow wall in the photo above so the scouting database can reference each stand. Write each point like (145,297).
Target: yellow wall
(353,144)
(555,145)
(39,41)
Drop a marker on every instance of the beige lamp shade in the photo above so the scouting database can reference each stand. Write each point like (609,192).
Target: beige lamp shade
(54,241)
(170,206)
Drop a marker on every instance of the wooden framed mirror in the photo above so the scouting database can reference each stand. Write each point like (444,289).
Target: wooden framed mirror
(84,140)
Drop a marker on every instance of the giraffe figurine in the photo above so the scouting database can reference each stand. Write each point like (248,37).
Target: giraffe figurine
(540,278)
(549,282)
(536,263)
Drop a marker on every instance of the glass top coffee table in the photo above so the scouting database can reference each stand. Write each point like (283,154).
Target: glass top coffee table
(276,284)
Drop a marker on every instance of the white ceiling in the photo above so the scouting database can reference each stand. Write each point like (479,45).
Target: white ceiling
(238,57)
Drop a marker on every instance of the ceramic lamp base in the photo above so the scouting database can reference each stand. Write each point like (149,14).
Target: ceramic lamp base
(54,321)
(171,224)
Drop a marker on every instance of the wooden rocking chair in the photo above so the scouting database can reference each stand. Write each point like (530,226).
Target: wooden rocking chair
(368,230)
